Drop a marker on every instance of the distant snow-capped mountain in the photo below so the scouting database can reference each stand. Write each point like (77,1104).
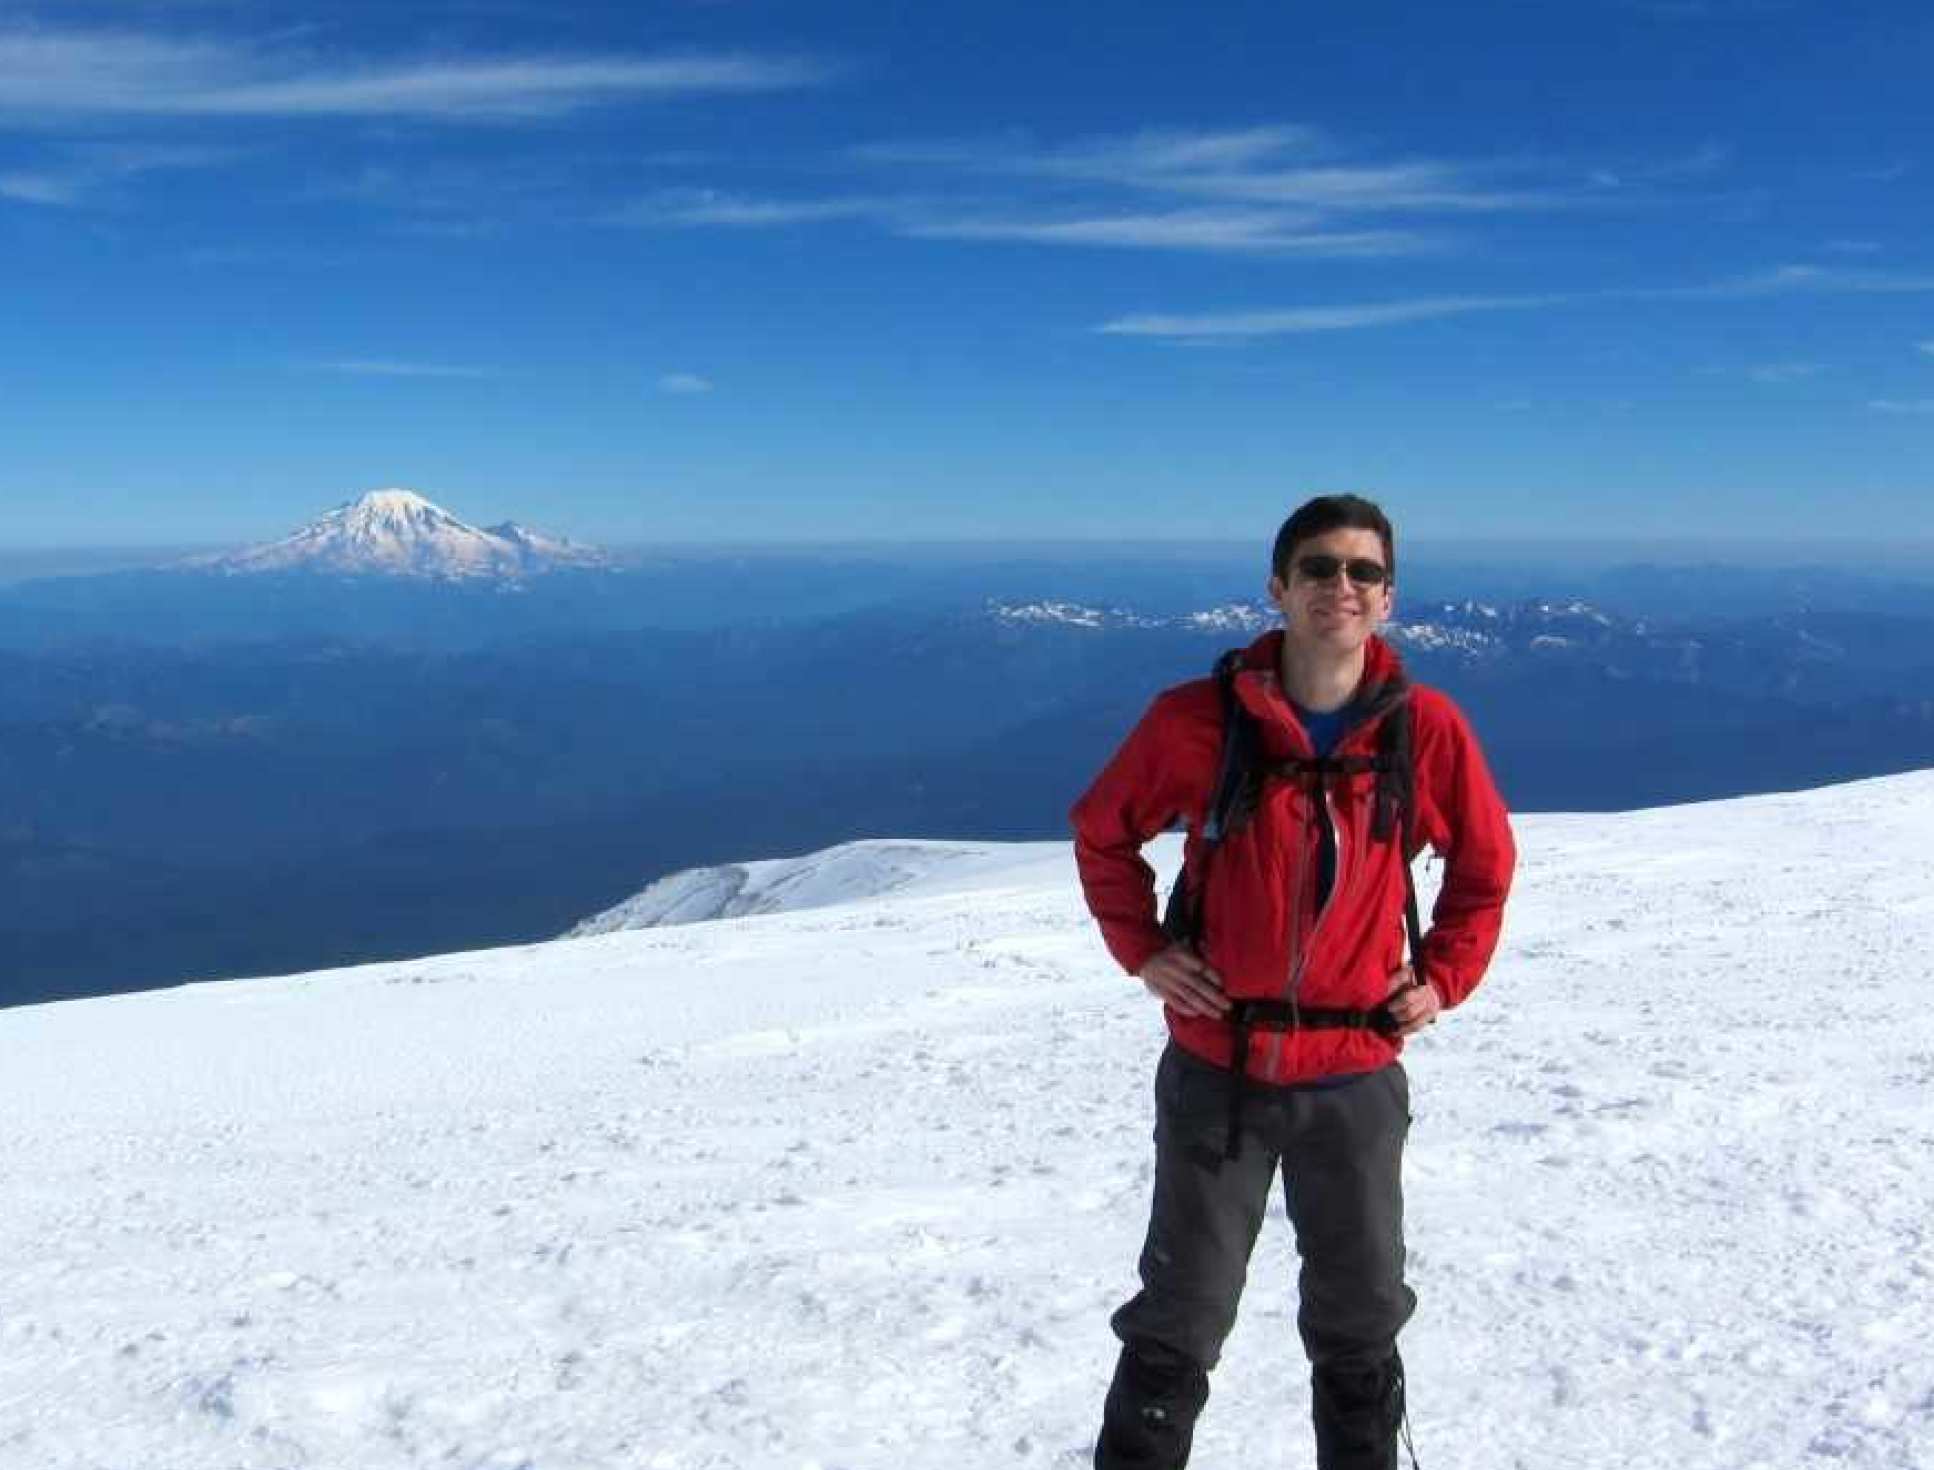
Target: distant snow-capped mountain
(1465,632)
(398,533)
(1468,628)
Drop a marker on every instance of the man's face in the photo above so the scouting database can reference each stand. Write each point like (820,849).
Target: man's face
(1335,613)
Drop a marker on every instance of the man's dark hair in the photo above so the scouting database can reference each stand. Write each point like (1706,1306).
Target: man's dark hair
(1328,513)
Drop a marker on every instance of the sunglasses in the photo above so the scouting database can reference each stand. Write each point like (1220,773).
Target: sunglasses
(1361,570)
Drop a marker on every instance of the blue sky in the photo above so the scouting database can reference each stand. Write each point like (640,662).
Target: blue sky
(773,271)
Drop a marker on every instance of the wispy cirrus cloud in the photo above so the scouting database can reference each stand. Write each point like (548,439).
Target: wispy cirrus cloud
(1120,156)
(76,173)
(1915,406)
(699,208)
(1281,165)
(1298,320)
(1287,321)
(47,75)
(1280,190)
(1248,233)
(24,187)
(1708,158)
(684,384)
(1785,372)
(1417,187)
(506,89)
(1799,279)
(1927,346)
(925,217)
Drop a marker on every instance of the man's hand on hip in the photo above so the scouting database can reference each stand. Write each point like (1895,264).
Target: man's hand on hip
(1184,981)
(1412,1006)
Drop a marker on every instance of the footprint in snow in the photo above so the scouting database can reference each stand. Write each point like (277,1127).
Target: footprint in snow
(1519,1130)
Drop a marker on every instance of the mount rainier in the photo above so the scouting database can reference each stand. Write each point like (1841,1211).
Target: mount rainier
(398,533)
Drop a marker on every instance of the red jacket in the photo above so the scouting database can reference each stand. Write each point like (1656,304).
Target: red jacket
(1262,931)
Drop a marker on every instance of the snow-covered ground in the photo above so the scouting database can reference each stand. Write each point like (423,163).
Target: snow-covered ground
(856,1186)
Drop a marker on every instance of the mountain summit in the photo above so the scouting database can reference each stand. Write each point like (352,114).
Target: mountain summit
(398,533)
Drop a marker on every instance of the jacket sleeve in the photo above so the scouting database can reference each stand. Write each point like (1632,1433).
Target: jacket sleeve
(1138,794)
(1462,816)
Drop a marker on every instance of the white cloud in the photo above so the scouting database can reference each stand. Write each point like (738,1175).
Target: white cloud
(68,174)
(512,88)
(1283,166)
(1253,232)
(1798,278)
(1425,187)
(1128,156)
(1785,372)
(1708,158)
(47,74)
(40,188)
(1903,405)
(684,383)
(1277,190)
(1241,231)
(55,71)
(1299,320)
(684,208)
(1927,346)
(1289,321)
(1175,151)
(1164,158)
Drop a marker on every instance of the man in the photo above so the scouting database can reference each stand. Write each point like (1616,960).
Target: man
(1291,956)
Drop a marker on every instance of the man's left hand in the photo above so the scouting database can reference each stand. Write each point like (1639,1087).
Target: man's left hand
(1412,1006)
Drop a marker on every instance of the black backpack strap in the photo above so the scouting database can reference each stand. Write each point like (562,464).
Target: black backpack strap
(1182,921)
(1239,751)
(1397,807)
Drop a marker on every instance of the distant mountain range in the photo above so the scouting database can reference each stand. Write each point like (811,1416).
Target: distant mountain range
(1802,654)
(398,533)
(217,773)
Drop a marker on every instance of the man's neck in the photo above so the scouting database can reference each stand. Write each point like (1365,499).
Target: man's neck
(1319,680)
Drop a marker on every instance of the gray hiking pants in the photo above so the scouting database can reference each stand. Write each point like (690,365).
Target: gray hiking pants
(1339,1152)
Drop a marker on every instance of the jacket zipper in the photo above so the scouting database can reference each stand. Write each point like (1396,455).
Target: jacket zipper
(1299,966)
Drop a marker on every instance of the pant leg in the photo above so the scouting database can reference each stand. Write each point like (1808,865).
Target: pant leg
(1342,1178)
(1343,1184)
(1202,1227)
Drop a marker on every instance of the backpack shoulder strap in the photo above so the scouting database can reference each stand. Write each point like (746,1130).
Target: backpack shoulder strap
(1396,815)
(1238,750)
(1182,921)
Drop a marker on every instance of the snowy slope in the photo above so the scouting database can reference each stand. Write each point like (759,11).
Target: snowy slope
(848,873)
(857,1186)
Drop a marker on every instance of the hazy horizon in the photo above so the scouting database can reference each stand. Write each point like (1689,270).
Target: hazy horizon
(28,561)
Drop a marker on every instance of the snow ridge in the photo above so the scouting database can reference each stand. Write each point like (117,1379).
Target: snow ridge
(848,873)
